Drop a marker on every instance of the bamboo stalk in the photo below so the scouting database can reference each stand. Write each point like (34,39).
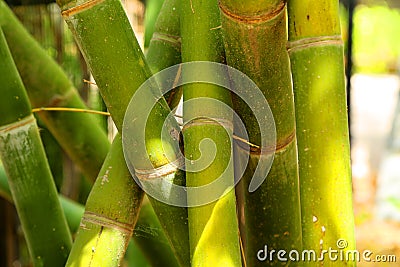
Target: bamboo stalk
(32,186)
(152,10)
(316,52)
(107,42)
(213,228)
(72,210)
(148,235)
(48,86)
(255,41)
(165,45)
(110,214)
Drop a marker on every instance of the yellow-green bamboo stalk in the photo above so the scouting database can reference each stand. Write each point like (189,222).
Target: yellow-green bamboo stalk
(316,53)
(165,45)
(32,186)
(213,227)
(107,42)
(255,42)
(152,10)
(110,214)
(150,238)
(148,235)
(48,86)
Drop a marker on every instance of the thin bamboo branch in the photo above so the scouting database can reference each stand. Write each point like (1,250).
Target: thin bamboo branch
(255,42)
(32,186)
(316,52)
(213,228)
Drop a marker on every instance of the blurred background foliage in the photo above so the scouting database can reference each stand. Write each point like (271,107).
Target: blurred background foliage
(376,35)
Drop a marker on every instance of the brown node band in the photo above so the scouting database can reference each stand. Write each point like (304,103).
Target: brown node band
(30,119)
(314,41)
(104,221)
(267,16)
(162,171)
(199,121)
(79,8)
(257,150)
(163,37)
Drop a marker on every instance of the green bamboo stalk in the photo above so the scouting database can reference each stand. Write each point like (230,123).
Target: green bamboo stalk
(107,42)
(255,42)
(110,214)
(95,102)
(32,186)
(47,85)
(72,210)
(153,8)
(148,236)
(134,257)
(316,53)
(165,45)
(213,228)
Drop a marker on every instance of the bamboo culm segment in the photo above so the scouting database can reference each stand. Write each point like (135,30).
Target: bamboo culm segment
(149,237)
(147,232)
(165,45)
(32,186)
(107,42)
(255,43)
(213,227)
(316,53)
(110,214)
(152,10)
(47,85)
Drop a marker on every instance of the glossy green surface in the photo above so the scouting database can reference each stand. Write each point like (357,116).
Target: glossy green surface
(213,228)
(24,160)
(270,215)
(48,86)
(322,128)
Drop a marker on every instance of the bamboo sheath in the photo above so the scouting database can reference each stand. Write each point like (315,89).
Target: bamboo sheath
(32,186)
(48,86)
(316,53)
(213,227)
(255,43)
(110,48)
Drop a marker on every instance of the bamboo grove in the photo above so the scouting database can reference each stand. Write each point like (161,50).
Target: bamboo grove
(291,50)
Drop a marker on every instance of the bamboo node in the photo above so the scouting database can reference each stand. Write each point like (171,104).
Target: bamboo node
(161,172)
(265,150)
(200,121)
(79,8)
(101,220)
(17,125)
(314,41)
(254,19)
(164,37)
